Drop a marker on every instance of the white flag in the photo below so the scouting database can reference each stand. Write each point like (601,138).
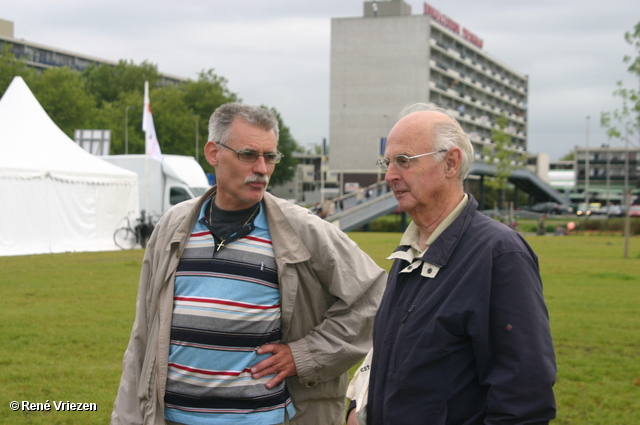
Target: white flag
(151,140)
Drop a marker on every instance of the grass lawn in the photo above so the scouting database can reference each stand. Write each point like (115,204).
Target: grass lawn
(66,319)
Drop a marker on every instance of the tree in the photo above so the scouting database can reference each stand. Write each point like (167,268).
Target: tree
(569,157)
(173,121)
(126,110)
(627,117)
(61,92)
(107,82)
(203,97)
(177,109)
(207,93)
(501,156)
(286,169)
(111,97)
(11,67)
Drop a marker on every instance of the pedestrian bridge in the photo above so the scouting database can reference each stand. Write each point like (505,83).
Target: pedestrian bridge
(352,213)
(524,180)
(356,209)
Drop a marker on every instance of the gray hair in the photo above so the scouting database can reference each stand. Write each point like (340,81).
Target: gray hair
(445,135)
(223,117)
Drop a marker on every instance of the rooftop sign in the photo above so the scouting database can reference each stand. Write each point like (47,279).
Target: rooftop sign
(451,24)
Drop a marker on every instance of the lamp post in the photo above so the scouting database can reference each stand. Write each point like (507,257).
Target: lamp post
(586,190)
(126,129)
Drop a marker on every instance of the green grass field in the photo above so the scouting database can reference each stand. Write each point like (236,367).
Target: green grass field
(65,322)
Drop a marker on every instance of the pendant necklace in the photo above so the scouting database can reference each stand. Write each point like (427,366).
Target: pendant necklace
(234,235)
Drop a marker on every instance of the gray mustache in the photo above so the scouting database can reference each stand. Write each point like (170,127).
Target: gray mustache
(257,178)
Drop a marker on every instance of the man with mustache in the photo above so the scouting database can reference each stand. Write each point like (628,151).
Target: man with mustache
(462,335)
(250,309)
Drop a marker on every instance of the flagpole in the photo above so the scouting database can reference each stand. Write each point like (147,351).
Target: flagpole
(146,153)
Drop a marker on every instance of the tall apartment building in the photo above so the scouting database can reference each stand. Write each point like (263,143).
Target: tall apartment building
(41,57)
(389,58)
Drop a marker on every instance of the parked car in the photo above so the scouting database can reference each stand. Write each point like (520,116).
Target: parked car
(549,208)
(613,211)
(634,211)
(597,209)
(583,210)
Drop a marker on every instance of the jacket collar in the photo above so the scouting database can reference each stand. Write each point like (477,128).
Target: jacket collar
(184,222)
(445,244)
(287,245)
(439,252)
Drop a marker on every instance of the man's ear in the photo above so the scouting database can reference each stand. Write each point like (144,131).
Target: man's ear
(452,162)
(211,153)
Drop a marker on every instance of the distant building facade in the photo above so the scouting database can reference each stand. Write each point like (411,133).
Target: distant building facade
(389,58)
(42,57)
(539,164)
(313,178)
(606,174)
(562,176)
(607,168)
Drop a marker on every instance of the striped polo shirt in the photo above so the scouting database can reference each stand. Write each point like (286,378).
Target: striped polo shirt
(226,305)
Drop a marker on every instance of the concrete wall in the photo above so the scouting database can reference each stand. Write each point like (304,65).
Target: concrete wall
(378,66)
(386,8)
(6,28)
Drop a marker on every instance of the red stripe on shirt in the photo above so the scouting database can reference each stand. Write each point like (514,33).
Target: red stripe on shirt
(225,302)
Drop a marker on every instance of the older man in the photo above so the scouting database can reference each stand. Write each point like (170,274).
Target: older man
(462,334)
(250,309)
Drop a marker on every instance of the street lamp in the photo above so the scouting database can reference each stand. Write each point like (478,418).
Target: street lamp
(586,191)
(126,129)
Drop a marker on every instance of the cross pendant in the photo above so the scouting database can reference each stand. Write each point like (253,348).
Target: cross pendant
(220,245)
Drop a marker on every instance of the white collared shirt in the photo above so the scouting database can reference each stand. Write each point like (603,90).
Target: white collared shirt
(411,237)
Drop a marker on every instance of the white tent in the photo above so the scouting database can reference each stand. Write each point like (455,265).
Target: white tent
(54,196)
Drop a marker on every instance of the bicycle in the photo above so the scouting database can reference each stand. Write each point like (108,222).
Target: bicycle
(127,237)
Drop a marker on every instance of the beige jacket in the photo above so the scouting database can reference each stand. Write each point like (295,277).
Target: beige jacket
(330,291)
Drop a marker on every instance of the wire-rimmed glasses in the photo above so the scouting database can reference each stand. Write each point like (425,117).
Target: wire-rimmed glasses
(252,156)
(402,162)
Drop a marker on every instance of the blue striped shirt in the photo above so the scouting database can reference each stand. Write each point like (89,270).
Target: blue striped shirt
(226,305)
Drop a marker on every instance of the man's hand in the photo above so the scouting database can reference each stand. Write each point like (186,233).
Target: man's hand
(351,419)
(280,363)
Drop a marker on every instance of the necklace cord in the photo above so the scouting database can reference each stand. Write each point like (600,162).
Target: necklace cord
(223,240)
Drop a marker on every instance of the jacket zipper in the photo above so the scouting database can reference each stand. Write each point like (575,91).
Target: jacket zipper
(406,315)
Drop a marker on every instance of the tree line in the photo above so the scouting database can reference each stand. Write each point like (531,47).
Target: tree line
(108,97)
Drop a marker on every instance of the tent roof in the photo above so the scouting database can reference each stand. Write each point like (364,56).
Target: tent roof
(32,145)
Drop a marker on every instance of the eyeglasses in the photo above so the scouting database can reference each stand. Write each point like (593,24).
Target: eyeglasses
(402,161)
(251,156)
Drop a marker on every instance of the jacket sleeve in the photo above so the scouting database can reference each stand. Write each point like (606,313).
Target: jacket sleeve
(127,409)
(518,364)
(353,284)
(358,389)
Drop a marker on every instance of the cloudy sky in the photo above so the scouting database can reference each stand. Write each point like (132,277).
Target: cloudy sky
(276,52)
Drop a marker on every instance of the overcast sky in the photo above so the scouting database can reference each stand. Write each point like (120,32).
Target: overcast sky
(276,52)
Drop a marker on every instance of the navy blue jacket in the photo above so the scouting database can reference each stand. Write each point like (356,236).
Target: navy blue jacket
(472,345)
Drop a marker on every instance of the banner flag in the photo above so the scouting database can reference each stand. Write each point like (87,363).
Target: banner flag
(383,145)
(152,147)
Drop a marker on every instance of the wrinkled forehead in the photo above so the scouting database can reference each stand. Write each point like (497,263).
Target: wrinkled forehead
(243,135)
